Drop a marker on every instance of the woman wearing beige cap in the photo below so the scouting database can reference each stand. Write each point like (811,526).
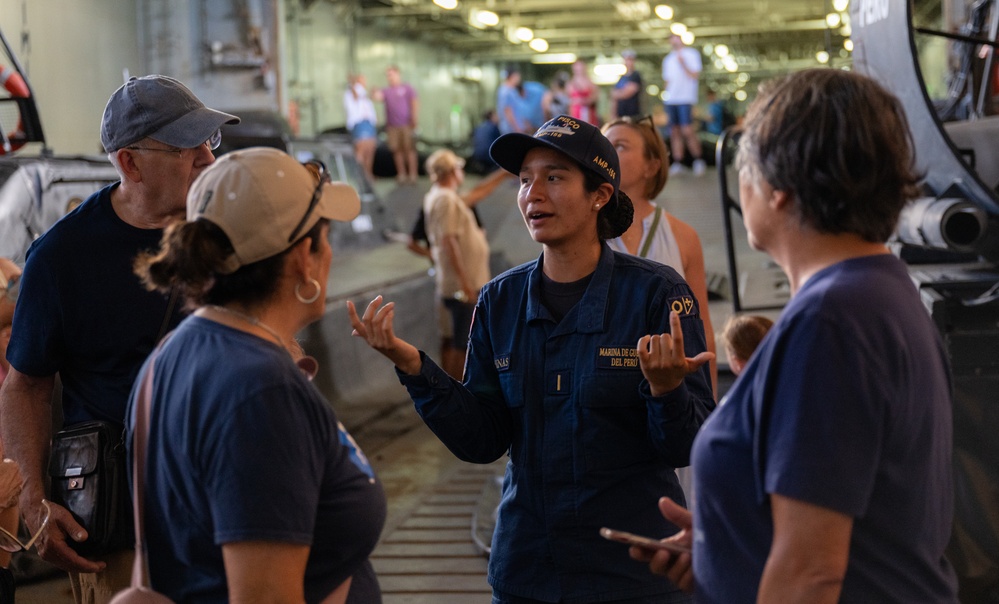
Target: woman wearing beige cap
(253,489)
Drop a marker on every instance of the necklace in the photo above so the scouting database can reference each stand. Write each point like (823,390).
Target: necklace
(251,320)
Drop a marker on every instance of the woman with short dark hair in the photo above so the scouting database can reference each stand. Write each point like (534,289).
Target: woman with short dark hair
(826,476)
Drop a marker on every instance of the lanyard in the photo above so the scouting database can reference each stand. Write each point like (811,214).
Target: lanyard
(652,231)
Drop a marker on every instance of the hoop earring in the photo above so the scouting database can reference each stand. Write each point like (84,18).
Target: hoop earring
(310,299)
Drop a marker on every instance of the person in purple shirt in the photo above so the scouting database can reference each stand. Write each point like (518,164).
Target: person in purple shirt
(401,108)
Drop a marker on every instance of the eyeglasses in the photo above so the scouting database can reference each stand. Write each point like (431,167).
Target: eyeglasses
(645,119)
(318,169)
(213,143)
(10,543)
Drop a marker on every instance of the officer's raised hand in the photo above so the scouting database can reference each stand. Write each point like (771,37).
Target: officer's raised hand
(662,358)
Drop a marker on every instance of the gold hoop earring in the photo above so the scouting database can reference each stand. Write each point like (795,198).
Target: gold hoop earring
(310,299)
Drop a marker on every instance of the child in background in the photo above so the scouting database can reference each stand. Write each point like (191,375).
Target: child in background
(742,334)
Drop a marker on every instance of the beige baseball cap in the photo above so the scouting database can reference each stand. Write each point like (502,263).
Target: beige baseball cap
(260,197)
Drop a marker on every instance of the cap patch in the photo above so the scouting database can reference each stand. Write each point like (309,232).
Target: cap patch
(205,199)
(558,127)
(605,165)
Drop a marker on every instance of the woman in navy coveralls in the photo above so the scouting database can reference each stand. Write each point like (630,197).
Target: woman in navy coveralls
(588,367)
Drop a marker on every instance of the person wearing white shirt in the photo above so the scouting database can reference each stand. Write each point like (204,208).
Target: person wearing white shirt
(681,72)
(361,120)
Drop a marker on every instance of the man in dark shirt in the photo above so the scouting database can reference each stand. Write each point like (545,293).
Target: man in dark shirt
(482,137)
(86,316)
(627,93)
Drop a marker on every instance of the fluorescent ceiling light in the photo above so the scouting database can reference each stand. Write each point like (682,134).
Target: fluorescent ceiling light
(483,19)
(538,45)
(840,6)
(447,4)
(832,19)
(554,58)
(677,28)
(605,74)
(822,57)
(606,70)
(687,37)
(664,12)
(524,34)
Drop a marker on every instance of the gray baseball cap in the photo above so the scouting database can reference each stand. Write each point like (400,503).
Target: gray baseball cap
(160,108)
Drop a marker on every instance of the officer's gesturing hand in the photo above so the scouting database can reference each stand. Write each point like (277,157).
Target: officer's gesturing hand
(375,328)
(662,359)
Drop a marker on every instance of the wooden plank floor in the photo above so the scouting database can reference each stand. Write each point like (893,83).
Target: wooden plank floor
(428,556)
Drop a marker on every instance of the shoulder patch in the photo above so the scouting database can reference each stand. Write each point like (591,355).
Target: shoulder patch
(683,305)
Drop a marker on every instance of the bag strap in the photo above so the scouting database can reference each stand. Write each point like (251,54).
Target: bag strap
(171,306)
(652,232)
(140,435)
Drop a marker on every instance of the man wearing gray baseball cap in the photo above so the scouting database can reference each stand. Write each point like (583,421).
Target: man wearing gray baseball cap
(87,317)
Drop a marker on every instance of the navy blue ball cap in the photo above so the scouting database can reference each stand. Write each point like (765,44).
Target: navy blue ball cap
(580,140)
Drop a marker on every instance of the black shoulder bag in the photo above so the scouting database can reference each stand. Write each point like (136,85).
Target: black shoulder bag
(89,477)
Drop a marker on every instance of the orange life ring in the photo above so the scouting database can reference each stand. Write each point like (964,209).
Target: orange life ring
(15,85)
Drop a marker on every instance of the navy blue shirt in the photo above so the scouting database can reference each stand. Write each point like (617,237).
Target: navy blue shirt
(632,105)
(482,137)
(243,448)
(845,405)
(588,444)
(84,314)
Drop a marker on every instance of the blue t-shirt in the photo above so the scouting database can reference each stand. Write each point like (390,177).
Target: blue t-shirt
(530,110)
(507,96)
(243,448)
(846,405)
(84,313)
(717,113)
(589,445)
(482,138)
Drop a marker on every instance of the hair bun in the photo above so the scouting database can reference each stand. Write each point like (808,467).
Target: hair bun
(616,217)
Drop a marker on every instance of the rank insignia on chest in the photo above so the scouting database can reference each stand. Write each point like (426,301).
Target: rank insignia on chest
(683,305)
(617,357)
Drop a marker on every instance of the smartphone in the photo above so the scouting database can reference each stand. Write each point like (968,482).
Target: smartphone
(640,541)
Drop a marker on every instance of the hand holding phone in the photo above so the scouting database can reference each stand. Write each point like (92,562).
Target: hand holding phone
(640,541)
